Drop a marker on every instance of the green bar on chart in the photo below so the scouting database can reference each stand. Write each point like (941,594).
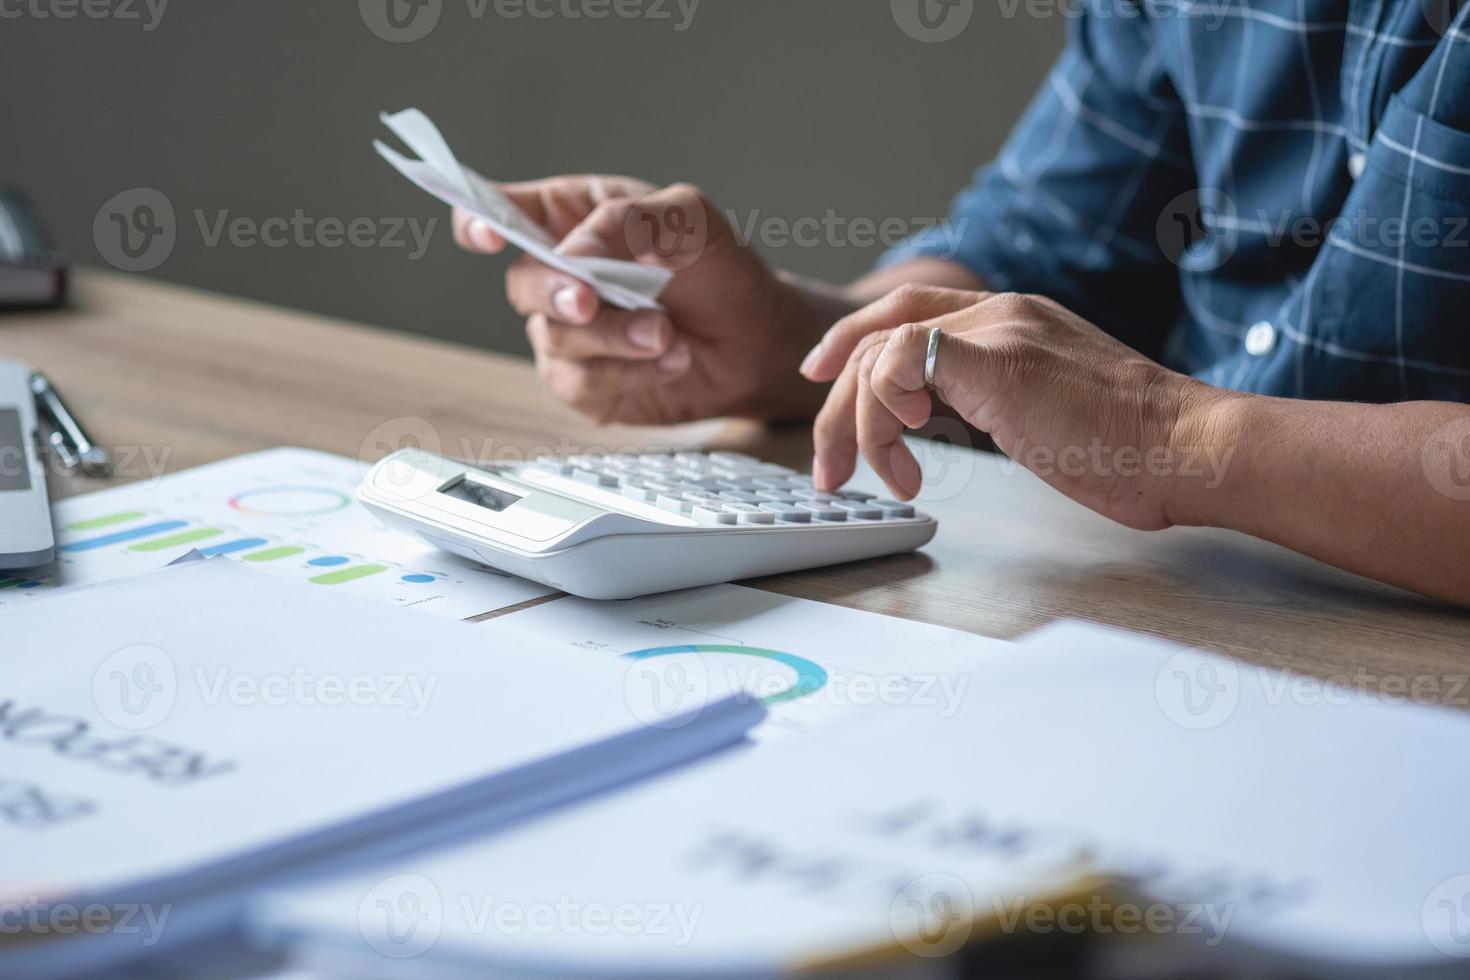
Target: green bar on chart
(274,554)
(174,540)
(93,523)
(348,574)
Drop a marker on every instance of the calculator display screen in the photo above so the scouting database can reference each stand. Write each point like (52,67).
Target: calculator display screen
(15,474)
(480,494)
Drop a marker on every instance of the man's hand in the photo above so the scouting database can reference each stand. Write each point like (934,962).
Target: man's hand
(1092,417)
(729,343)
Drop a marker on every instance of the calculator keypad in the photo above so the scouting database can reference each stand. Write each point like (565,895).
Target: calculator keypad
(725,489)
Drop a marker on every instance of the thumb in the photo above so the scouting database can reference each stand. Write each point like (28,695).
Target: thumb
(668,229)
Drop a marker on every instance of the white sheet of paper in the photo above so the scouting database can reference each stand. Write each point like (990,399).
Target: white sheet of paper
(289,512)
(629,285)
(749,865)
(1322,821)
(817,665)
(1262,817)
(207,712)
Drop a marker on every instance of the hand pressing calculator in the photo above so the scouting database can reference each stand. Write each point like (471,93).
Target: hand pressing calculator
(617,527)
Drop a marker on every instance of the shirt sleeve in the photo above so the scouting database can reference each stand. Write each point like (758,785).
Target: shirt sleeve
(1085,199)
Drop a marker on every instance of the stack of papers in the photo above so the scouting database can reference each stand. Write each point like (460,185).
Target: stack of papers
(1233,810)
(171,740)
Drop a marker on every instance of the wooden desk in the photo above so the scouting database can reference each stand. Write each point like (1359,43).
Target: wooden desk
(190,377)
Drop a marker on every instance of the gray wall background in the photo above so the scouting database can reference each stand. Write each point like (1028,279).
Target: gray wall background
(781,109)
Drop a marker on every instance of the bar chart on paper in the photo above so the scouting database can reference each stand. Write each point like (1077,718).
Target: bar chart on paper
(289,512)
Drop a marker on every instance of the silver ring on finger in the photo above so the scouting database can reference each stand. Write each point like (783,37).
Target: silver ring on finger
(931,358)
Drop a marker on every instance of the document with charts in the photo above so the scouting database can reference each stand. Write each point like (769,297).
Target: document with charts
(177,737)
(815,665)
(288,512)
(1165,770)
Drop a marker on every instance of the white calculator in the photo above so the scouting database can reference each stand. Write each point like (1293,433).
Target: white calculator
(617,527)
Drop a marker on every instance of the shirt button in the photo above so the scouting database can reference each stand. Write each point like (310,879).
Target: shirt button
(1260,339)
(1357,163)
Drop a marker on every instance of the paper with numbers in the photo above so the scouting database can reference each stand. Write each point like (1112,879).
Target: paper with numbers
(196,728)
(1232,807)
(629,285)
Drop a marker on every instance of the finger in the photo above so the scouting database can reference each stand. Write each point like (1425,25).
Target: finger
(907,304)
(608,389)
(534,288)
(968,370)
(880,433)
(642,336)
(557,204)
(667,229)
(898,373)
(834,434)
(560,204)
(474,234)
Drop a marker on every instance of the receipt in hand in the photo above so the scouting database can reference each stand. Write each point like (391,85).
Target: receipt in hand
(629,285)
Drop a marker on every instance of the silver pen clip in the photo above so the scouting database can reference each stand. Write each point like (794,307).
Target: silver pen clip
(74,447)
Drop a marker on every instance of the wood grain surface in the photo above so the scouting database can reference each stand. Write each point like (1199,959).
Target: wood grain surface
(171,378)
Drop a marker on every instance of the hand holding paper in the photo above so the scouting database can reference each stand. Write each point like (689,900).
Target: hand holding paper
(628,285)
(643,305)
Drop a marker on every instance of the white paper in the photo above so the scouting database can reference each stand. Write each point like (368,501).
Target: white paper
(816,665)
(206,713)
(1264,820)
(1326,821)
(750,865)
(297,511)
(629,285)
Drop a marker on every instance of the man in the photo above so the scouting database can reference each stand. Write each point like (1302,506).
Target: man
(1230,228)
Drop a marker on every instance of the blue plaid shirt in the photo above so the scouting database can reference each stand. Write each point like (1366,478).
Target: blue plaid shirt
(1271,195)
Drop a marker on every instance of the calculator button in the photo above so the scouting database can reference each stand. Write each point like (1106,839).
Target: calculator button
(790,514)
(816,496)
(894,508)
(676,503)
(823,512)
(714,514)
(595,479)
(552,464)
(740,497)
(638,491)
(861,511)
(749,514)
(775,496)
(734,459)
(855,495)
(771,483)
